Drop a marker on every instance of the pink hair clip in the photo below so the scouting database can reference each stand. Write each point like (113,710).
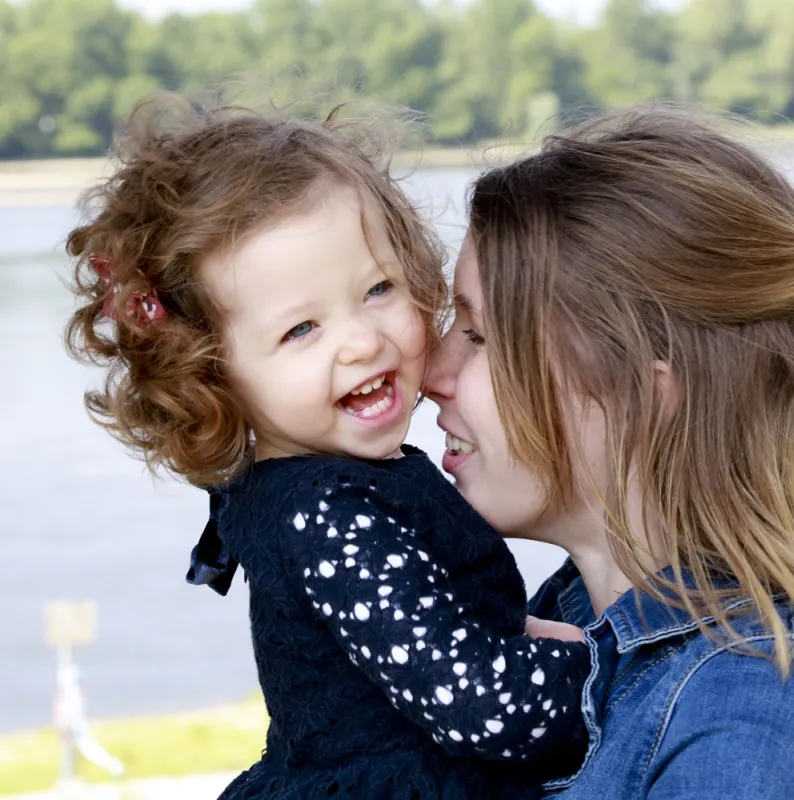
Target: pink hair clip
(143,307)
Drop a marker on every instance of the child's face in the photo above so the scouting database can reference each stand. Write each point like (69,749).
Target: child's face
(327,350)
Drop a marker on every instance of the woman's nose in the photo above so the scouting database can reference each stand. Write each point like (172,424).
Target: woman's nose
(443,366)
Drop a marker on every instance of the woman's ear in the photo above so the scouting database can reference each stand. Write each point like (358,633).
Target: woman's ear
(666,387)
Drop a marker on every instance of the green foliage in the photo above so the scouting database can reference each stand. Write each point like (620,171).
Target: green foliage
(627,59)
(479,69)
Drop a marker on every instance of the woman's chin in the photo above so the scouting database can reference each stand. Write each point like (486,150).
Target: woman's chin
(512,518)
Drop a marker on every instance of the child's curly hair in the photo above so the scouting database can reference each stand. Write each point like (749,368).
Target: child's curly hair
(190,180)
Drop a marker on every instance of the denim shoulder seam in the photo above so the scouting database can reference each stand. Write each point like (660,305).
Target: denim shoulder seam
(672,704)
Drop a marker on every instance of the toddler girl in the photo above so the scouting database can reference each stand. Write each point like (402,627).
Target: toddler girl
(272,294)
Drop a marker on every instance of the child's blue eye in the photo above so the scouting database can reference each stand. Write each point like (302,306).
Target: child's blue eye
(474,337)
(379,289)
(299,331)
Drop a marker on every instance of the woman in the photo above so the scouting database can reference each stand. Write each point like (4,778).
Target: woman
(619,381)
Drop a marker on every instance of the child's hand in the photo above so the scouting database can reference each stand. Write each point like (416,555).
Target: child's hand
(545,629)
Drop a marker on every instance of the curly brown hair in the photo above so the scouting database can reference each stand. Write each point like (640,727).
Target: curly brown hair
(188,181)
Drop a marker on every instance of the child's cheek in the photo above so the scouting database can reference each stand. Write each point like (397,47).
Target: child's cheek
(417,348)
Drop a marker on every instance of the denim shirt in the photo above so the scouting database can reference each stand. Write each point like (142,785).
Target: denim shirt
(672,714)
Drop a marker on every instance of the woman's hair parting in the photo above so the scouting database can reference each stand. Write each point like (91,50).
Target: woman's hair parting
(187,181)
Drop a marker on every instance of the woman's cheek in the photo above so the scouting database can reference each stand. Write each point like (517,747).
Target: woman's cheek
(477,396)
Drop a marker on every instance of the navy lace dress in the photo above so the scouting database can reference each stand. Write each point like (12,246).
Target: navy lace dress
(387,621)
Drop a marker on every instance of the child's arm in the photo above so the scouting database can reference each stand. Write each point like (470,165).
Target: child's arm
(393,610)
(544,628)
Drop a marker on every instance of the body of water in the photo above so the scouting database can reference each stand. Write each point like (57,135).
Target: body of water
(82,520)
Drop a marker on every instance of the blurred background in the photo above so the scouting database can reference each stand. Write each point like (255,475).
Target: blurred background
(170,674)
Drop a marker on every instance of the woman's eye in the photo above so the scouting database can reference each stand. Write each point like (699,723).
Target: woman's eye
(299,331)
(474,337)
(379,289)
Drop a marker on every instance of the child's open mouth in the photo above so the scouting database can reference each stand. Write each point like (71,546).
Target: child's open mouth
(371,399)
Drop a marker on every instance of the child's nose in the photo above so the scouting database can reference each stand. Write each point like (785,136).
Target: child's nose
(362,341)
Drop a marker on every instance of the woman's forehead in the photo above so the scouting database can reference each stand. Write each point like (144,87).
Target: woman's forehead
(467,292)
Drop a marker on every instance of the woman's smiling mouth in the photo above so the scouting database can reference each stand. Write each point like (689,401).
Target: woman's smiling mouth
(458,452)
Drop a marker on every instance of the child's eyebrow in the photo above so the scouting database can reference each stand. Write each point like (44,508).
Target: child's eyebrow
(293,311)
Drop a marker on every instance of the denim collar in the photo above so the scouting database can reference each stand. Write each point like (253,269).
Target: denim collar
(636,617)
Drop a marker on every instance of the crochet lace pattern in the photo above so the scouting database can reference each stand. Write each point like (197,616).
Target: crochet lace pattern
(388,627)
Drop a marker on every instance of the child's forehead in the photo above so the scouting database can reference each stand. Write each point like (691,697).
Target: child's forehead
(328,209)
(339,230)
(336,206)
(326,194)
(359,199)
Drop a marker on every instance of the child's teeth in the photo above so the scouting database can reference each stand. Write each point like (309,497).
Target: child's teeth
(376,408)
(370,387)
(458,445)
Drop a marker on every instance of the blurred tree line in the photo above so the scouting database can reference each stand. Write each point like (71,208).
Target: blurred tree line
(479,69)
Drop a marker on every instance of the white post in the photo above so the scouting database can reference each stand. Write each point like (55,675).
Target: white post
(66,625)
(63,679)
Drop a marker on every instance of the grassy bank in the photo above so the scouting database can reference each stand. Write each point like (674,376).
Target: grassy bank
(226,738)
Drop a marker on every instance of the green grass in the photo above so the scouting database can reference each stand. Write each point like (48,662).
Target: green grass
(227,738)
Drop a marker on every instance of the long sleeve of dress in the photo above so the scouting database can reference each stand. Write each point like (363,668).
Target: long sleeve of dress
(393,609)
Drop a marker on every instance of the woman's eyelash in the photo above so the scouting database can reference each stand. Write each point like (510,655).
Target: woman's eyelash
(474,337)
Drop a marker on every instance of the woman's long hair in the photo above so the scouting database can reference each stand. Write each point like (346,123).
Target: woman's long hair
(640,237)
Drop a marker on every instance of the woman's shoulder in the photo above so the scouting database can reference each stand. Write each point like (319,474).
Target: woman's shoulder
(733,708)
(664,711)
(716,683)
(727,668)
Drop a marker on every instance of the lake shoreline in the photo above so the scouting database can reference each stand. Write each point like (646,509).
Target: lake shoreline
(61,181)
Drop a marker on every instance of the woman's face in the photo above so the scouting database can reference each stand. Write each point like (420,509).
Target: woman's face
(509,494)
